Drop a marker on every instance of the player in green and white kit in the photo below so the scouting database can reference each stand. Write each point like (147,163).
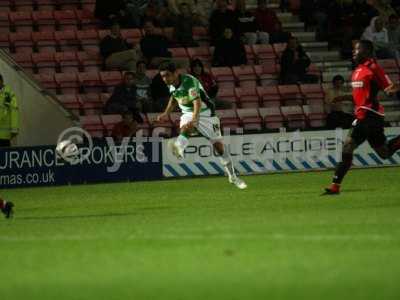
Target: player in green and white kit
(198,113)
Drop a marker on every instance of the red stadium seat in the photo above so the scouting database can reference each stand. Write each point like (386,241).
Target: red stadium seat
(4,22)
(71,102)
(316,115)
(228,95)
(90,61)
(67,40)
(21,42)
(86,19)
(201,36)
(250,119)
(93,125)
(46,5)
(133,35)
(44,41)
(109,121)
(248,97)
(67,83)
(203,53)
(25,5)
(44,62)
(44,20)
(179,53)
(25,61)
(6,5)
(272,116)
(290,94)
(66,20)
(90,82)
(224,76)
(47,81)
(267,74)
(264,53)
(313,93)
(67,62)
(269,96)
(21,21)
(91,103)
(245,75)
(294,116)
(110,79)
(89,39)
(229,120)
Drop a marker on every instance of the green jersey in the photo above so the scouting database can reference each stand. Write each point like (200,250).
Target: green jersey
(189,90)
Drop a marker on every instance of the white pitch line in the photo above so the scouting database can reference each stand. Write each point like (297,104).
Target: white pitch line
(177,237)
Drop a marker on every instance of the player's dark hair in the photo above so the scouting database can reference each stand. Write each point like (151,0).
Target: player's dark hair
(337,77)
(196,62)
(167,66)
(368,47)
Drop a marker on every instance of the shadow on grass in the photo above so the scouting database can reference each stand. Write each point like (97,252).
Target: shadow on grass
(103,215)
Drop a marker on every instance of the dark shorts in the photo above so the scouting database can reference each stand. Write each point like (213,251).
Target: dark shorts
(372,129)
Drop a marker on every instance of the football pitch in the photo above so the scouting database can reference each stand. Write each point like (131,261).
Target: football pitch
(203,239)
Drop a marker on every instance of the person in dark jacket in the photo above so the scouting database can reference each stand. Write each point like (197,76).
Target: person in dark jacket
(124,98)
(229,51)
(117,52)
(294,64)
(109,11)
(221,18)
(248,26)
(183,27)
(154,46)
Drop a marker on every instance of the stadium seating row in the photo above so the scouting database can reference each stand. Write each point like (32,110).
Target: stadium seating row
(250,119)
(25,21)
(34,5)
(249,97)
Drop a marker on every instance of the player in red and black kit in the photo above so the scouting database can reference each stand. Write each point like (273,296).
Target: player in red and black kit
(6,207)
(367,80)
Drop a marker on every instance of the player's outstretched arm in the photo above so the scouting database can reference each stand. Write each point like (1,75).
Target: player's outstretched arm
(392,89)
(170,107)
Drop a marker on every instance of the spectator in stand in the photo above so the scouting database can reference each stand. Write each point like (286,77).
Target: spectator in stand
(134,12)
(206,79)
(385,10)
(159,92)
(158,13)
(204,8)
(183,27)
(248,27)
(394,33)
(154,46)
(221,18)
(124,98)
(209,83)
(109,11)
(334,98)
(378,35)
(117,52)
(143,93)
(126,128)
(360,15)
(229,51)
(294,64)
(269,22)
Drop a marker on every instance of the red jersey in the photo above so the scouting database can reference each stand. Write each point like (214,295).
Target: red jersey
(367,80)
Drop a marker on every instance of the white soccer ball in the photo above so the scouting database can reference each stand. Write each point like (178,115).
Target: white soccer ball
(67,150)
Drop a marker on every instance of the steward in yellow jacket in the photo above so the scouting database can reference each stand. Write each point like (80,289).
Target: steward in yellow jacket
(9,118)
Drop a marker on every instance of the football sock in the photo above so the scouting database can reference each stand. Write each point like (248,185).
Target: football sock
(182,141)
(226,161)
(343,167)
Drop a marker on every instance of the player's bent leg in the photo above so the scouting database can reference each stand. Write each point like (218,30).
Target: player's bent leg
(227,163)
(343,167)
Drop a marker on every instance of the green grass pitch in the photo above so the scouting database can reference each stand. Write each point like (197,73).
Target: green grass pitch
(203,239)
